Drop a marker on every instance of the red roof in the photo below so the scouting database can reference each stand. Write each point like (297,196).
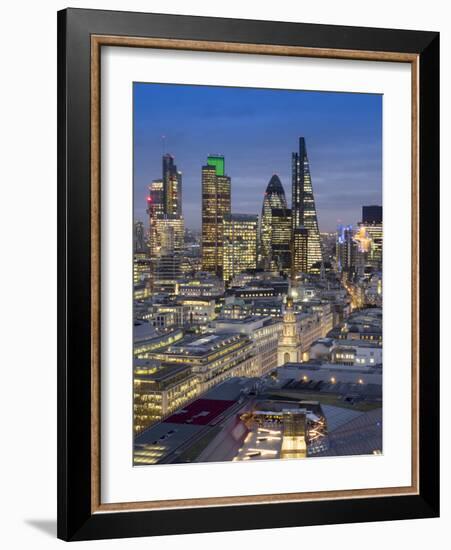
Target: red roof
(200,412)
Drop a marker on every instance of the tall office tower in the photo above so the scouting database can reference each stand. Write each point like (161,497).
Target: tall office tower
(166,226)
(299,248)
(303,204)
(372,214)
(346,248)
(372,225)
(139,241)
(162,226)
(155,199)
(274,198)
(172,187)
(280,243)
(215,205)
(240,244)
(155,209)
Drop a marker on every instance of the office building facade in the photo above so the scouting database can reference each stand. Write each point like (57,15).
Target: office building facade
(239,244)
(274,198)
(172,187)
(299,252)
(216,203)
(280,249)
(303,204)
(346,248)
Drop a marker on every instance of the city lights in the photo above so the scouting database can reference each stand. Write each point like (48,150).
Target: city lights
(255,336)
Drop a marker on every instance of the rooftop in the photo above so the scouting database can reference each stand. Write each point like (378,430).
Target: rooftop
(356,343)
(193,345)
(164,372)
(328,342)
(232,389)
(200,412)
(241,217)
(143,330)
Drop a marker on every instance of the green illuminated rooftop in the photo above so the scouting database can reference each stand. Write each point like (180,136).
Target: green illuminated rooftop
(218,162)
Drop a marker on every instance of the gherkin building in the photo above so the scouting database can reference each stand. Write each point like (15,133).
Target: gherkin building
(274,198)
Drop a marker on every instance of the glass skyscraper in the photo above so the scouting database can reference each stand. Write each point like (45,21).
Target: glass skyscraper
(274,198)
(240,244)
(346,248)
(299,252)
(372,224)
(216,201)
(166,223)
(280,239)
(172,187)
(303,205)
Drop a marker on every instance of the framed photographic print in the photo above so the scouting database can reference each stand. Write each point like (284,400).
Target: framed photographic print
(248,274)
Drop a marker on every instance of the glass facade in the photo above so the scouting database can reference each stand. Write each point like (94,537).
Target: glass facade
(240,244)
(172,186)
(280,239)
(166,227)
(274,198)
(299,252)
(303,204)
(346,249)
(215,205)
(373,233)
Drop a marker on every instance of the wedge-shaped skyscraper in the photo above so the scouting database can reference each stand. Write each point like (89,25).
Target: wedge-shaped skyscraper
(303,208)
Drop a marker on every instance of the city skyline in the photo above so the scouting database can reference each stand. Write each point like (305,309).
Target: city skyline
(258,336)
(346,172)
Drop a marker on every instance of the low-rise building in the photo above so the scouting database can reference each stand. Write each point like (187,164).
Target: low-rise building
(321,348)
(333,376)
(143,347)
(356,352)
(324,310)
(204,284)
(141,290)
(363,324)
(240,308)
(213,357)
(159,389)
(141,267)
(183,311)
(197,310)
(264,332)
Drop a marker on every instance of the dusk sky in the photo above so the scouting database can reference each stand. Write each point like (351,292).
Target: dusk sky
(257,130)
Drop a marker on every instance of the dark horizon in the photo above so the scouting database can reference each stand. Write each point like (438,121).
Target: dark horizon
(257,130)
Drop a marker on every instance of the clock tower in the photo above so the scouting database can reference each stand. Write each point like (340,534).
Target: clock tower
(289,350)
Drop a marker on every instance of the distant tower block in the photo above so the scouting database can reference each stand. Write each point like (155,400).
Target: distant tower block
(240,244)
